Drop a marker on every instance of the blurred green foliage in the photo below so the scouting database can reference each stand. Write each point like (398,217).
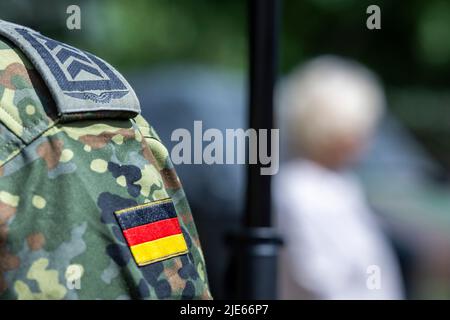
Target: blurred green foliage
(144,32)
(412,48)
(411,52)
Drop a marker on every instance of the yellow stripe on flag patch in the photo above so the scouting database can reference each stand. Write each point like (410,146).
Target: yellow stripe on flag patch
(160,249)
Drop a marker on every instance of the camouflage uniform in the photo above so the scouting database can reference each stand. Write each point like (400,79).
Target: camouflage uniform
(66,168)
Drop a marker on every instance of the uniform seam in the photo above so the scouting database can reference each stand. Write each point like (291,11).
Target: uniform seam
(139,128)
(23,146)
(16,120)
(28,132)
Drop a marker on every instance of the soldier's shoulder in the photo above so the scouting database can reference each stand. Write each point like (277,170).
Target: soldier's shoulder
(44,82)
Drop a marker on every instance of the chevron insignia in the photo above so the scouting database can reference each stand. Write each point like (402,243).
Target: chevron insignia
(79,74)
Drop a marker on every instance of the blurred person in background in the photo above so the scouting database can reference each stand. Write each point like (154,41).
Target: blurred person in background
(335,248)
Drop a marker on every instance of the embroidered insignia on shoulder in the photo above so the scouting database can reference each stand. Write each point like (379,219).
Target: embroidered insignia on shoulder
(104,97)
(77,80)
(152,231)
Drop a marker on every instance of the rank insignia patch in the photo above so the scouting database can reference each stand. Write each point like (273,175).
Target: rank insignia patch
(152,231)
(77,80)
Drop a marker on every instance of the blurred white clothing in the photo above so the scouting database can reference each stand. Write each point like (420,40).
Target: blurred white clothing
(334,248)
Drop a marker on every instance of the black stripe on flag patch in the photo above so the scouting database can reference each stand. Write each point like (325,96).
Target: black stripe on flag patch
(146,213)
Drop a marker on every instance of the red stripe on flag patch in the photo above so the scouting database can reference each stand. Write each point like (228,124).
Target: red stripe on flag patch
(152,231)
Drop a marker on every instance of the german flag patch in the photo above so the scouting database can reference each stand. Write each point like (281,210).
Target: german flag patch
(152,231)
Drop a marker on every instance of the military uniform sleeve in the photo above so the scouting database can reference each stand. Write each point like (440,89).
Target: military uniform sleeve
(90,204)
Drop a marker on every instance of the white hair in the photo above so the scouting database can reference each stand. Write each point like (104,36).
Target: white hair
(326,98)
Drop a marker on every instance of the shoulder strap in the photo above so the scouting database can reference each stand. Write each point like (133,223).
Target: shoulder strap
(78,81)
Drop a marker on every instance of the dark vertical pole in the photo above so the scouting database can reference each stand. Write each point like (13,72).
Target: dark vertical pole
(263,45)
(256,246)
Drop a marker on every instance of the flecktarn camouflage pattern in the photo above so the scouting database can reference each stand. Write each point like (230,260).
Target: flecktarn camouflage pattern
(66,174)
